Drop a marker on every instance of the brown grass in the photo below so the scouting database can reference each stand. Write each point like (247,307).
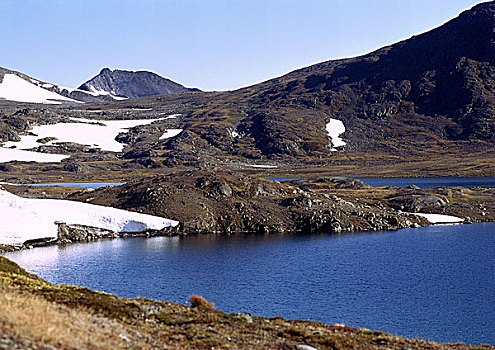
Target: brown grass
(199,302)
(32,317)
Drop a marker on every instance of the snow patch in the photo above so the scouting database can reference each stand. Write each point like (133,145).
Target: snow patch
(335,128)
(14,88)
(93,92)
(173,116)
(440,218)
(10,155)
(26,218)
(98,92)
(170,133)
(262,166)
(99,133)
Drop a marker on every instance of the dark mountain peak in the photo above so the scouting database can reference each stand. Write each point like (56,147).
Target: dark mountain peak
(105,71)
(132,84)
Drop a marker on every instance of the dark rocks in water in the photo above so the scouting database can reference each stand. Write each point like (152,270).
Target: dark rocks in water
(81,233)
(346,183)
(39,242)
(132,84)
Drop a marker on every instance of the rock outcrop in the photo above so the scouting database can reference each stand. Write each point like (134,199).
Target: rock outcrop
(225,203)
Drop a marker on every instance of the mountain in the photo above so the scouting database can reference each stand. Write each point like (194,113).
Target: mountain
(132,84)
(430,93)
(19,87)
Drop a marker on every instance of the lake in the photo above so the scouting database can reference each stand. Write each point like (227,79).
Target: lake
(77,184)
(435,282)
(425,182)
(422,182)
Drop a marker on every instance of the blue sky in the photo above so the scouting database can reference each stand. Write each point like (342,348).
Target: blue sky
(210,44)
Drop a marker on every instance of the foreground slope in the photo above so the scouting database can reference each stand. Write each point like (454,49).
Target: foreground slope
(35,314)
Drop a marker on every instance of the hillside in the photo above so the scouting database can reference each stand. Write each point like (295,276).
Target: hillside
(131,84)
(431,93)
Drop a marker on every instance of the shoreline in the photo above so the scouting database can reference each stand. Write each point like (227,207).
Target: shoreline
(8,248)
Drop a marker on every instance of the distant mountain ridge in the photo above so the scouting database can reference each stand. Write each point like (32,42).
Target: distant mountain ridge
(132,84)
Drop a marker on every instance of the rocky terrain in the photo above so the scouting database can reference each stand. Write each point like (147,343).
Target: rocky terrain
(226,203)
(131,84)
(35,314)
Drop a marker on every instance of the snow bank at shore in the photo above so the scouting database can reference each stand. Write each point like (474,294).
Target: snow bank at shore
(26,219)
(440,218)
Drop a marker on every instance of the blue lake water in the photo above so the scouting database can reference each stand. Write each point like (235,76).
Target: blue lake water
(78,184)
(425,182)
(422,182)
(436,282)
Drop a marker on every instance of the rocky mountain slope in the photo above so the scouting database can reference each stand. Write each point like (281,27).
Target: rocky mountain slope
(434,93)
(131,84)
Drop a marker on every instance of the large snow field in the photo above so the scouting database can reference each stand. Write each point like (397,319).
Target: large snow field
(26,218)
(10,155)
(14,88)
(335,128)
(97,133)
